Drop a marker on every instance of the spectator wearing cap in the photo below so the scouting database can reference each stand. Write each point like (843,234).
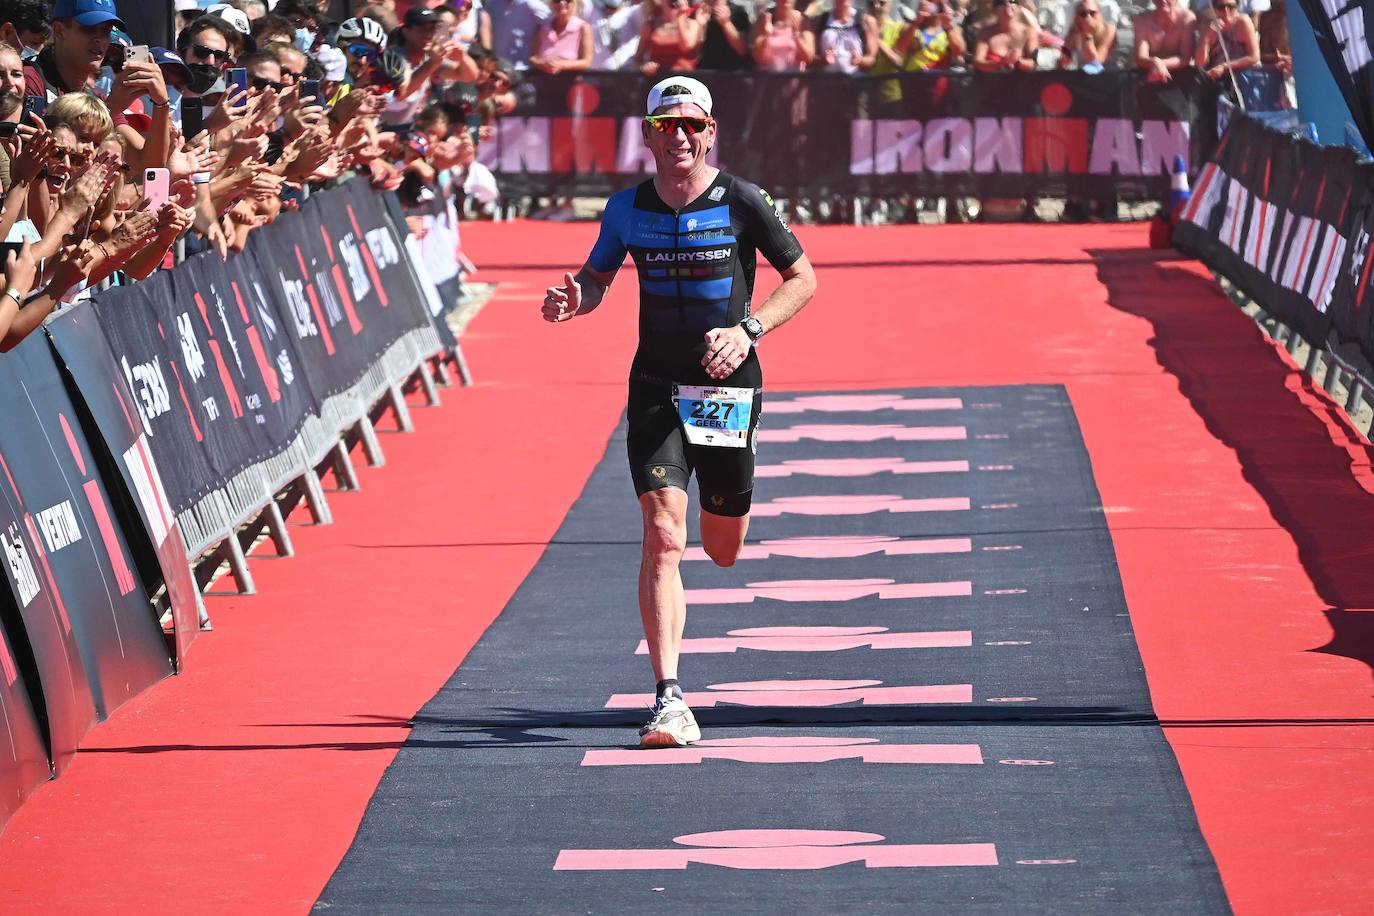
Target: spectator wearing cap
(513,27)
(206,46)
(24,26)
(253,9)
(80,39)
(1008,44)
(242,40)
(426,54)
(563,44)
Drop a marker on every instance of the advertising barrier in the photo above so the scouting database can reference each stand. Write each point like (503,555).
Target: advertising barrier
(150,423)
(1289,222)
(1109,135)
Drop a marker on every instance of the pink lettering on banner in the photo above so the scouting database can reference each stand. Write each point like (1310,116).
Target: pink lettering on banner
(793,694)
(820,639)
(828,590)
(790,749)
(856,505)
(843,433)
(843,546)
(859,467)
(780,849)
(862,403)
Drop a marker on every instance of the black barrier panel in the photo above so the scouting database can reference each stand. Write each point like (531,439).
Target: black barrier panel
(161,378)
(1109,135)
(374,260)
(1272,213)
(23,756)
(122,448)
(81,542)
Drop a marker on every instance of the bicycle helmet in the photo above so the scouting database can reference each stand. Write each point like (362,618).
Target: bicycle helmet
(394,67)
(362,29)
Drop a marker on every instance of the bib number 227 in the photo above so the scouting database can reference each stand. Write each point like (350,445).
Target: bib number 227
(716,417)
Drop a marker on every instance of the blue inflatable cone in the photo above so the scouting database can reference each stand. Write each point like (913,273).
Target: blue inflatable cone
(1179,192)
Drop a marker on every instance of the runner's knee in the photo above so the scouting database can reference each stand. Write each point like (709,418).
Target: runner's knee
(665,537)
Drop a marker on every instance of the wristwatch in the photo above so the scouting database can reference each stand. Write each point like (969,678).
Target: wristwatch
(753,327)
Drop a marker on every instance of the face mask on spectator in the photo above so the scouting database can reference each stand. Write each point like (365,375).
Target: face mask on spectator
(203,76)
(305,40)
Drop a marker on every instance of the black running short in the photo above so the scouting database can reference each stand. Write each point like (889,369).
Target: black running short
(661,456)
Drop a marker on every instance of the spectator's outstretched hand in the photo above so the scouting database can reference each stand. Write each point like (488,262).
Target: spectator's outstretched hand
(20,269)
(32,157)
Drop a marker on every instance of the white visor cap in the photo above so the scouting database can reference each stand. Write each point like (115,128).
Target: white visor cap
(688,90)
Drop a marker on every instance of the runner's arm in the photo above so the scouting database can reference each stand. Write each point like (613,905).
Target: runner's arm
(783,304)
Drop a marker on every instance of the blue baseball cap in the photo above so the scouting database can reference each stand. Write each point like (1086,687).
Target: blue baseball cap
(86,12)
(164,58)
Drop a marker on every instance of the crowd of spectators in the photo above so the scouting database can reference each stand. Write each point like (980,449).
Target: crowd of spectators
(883,36)
(115,152)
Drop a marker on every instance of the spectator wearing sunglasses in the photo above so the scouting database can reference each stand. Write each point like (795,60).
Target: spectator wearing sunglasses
(207,42)
(1090,45)
(1229,44)
(362,42)
(264,71)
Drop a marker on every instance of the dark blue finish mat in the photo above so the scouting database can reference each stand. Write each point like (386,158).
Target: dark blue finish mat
(918,691)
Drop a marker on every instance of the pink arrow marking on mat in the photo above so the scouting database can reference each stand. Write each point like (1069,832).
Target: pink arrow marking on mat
(827,432)
(794,694)
(798,749)
(780,849)
(843,546)
(820,639)
(856,505)
(862,403)
(828,590)
(859,467)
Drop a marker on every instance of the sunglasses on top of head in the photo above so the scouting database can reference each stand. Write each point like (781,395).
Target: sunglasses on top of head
(218,56)
(667,124)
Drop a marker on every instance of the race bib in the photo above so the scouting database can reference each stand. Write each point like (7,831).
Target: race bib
(715,416)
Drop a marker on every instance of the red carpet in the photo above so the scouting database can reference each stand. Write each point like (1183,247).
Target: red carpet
(1240,523)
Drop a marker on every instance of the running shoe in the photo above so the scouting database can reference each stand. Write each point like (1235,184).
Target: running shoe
(672,725)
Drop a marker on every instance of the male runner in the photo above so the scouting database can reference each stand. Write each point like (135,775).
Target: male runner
(695,384)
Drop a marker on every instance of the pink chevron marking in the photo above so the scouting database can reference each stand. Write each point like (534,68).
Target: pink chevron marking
(798,749)
(842,546)
(862,403)
(859,467)
(820,639)
(838,432)
(856,505)
(806,694)
(828,590)
(795,850)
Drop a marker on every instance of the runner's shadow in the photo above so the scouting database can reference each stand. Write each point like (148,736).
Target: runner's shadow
(1295,448)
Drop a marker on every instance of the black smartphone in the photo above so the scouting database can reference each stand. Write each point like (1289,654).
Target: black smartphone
(192,117)
(5,249)
(35,105)
(312,93)
(8,129)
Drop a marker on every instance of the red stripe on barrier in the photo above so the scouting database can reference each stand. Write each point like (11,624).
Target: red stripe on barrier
(190,413)
(43,563)
(315,304)
(124,577)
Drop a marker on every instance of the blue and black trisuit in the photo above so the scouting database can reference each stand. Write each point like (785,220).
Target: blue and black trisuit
(696,273)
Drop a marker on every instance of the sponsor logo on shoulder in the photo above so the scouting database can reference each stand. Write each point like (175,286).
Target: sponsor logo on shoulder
(768,197)
(716,194)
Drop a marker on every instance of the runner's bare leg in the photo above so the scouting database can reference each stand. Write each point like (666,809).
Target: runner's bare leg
(662,606)
(722,536)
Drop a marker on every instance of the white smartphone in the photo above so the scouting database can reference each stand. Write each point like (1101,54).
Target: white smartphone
(139,53)
(157,187)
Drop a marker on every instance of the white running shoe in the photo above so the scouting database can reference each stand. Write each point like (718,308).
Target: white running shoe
(672,725)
